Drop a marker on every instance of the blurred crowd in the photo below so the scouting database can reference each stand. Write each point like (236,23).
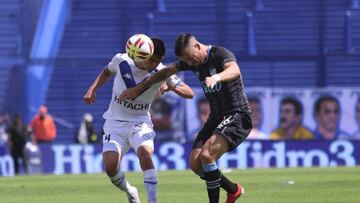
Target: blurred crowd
(22,140)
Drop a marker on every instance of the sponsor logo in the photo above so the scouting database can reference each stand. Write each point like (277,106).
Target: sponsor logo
(209,90)
(138,125)
(133,106)
(127,75)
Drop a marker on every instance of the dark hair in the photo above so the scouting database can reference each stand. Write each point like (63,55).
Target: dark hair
(323,99)
(181,43)
(297,105)
(159,47)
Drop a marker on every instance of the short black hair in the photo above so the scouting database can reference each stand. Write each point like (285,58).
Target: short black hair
(297,105)
(159,48)
(181,43)
(323,99)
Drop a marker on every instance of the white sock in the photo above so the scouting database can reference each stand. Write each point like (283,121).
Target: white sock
(120,181)
(150,181)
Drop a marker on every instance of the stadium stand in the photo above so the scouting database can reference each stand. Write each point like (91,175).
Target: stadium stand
(9,48)
(297,44)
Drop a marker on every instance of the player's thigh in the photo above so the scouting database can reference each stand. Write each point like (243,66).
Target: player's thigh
(144,152)
(111,162)
(115,145)
(214,148)
(206,132)
(234,128)
(141,139)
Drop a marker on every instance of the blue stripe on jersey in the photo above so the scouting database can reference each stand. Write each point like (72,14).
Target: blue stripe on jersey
(126,75)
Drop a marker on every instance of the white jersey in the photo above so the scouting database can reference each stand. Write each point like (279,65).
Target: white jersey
(127,76)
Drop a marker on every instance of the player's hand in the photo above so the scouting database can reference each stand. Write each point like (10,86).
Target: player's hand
(130,93)
(210,82)
(89,97)
(165,88)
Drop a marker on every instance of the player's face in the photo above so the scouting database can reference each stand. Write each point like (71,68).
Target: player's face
(328,115)
(204,112)
(357,113)
(192,55)
(288,117)
(148,64)
(256,113)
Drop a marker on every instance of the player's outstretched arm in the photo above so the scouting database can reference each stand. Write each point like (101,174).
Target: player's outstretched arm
(103,76)
(134,92)
(231,72)
(183,90)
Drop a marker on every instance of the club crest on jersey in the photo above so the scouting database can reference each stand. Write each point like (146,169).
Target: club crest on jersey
(127,76)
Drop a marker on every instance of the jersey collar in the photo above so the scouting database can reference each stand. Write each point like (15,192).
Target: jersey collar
(208,54)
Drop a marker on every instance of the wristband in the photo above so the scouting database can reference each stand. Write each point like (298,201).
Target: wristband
(216,77)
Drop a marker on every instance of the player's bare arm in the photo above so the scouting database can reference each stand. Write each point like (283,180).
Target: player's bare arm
(161,75)
(103,76)
(183,90)
(231,72)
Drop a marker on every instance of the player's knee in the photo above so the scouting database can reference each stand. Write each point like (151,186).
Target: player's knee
(206,156)
(111,169)
(196,167)
(111,163)
(144,153)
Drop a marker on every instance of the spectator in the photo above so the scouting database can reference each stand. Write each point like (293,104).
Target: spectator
(86,133)
(17,138)
(357,118)
(203,108)
(43,126)
(256,118)
(161,118)
(290,122)
(4,122)
(327,114)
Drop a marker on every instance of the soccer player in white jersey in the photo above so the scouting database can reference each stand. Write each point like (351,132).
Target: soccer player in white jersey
(128,123)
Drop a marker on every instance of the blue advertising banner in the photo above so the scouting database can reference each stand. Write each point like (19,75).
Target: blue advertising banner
(74,158)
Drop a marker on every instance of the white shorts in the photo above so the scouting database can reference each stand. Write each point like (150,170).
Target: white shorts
(119,136)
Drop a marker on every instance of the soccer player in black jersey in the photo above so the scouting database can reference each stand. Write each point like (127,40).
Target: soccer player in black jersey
(229,122)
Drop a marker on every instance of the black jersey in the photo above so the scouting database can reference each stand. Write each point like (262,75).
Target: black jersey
(224,97)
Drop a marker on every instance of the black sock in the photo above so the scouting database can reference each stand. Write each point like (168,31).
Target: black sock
(213,185)
(227,185)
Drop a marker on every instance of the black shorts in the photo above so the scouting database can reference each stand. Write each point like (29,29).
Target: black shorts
(234,127)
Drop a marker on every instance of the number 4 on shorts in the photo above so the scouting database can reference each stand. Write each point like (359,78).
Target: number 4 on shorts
(107,138)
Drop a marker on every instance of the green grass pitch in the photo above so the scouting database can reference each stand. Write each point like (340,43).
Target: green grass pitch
(261,185)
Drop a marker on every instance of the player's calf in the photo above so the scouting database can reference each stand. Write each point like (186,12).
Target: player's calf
(117,178)
(150,174)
